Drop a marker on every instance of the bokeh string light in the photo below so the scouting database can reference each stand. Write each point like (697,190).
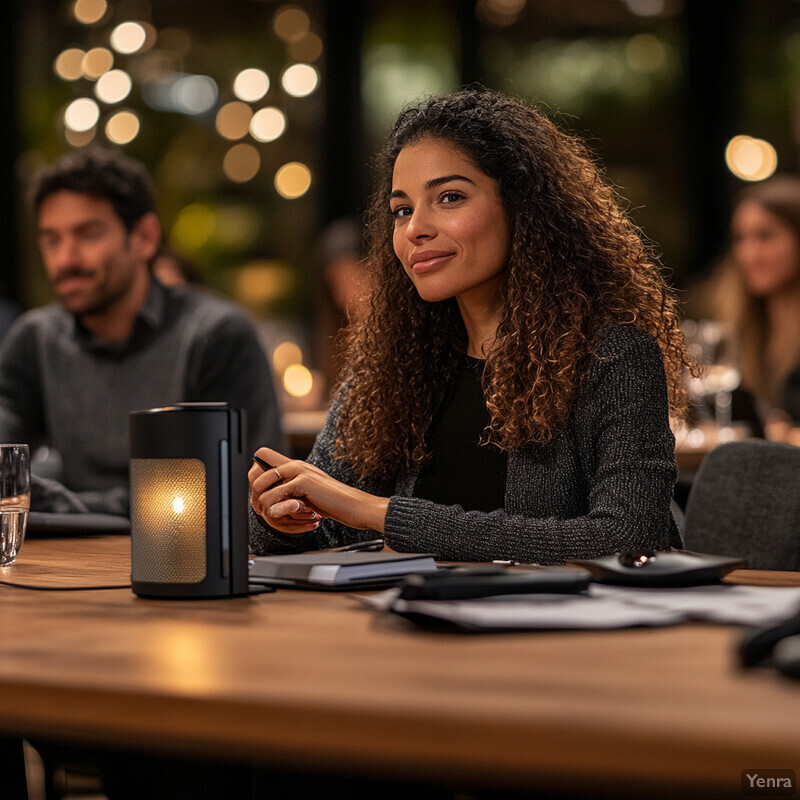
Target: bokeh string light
(751,159)
(130,60)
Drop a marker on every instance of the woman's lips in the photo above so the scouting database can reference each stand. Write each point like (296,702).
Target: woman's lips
(428,260)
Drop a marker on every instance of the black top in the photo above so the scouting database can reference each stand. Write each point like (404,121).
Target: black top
(462,471)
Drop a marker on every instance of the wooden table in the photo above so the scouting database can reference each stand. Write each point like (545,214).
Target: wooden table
(313,681)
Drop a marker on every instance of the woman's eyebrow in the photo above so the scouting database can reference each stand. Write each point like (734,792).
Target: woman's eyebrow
(433,182)
(446,179)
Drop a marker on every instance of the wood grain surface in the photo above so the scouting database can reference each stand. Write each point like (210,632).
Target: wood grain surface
(314,680)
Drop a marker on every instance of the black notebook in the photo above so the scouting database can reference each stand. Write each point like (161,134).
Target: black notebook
(339,569)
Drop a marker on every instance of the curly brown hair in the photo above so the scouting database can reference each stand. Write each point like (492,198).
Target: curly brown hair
(577,263)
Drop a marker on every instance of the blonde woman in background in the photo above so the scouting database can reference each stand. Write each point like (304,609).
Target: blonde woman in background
(757,293)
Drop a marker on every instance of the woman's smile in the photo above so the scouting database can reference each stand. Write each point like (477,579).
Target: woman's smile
(428,260)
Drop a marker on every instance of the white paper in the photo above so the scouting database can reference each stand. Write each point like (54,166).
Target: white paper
(608,606)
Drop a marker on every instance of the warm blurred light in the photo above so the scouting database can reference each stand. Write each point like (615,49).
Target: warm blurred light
(308,48)
(290,23)
(194,94)
(122,127)
(645,8)
(193,227)
(89,11)
(113,86)
(79,138)
(267,124)
(68,64)
(81,114)
(241,163)
(251,85)
(184,658)
(751,159)
(297,380)
(233,120)
(150,37)
(499,12)
(293,180)
(97,62)
(262,282)
(299,80)
(128,37)
(645,52)
(285,354)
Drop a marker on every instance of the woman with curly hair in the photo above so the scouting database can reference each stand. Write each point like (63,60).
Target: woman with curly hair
(508,390)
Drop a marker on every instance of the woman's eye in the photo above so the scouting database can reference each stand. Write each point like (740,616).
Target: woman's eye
(452,197)
(400,211)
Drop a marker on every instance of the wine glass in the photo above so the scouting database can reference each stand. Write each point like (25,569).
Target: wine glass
(713,346)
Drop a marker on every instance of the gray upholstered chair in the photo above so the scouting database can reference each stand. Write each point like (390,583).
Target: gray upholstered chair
(745,501)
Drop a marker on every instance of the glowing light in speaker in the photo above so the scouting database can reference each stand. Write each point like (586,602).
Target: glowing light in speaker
(168,512)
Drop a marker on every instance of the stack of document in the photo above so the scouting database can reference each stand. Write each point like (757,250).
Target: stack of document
(343,570)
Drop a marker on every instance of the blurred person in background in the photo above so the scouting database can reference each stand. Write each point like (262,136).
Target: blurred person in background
(756,293)
(343,286)
(508,385)
(116,340)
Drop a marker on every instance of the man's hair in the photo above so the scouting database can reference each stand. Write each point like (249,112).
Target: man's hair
(105,174)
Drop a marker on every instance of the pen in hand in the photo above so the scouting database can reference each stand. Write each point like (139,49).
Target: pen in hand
(267,466)
(262,463)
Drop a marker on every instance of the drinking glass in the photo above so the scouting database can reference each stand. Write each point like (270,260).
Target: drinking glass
(714,347)
(15,499)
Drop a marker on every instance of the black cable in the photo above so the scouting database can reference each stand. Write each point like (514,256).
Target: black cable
(35,588)
(253,590)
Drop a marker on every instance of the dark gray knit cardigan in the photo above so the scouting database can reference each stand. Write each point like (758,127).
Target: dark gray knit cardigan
(602,485)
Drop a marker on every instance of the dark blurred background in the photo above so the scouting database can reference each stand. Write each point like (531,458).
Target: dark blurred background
(251,171)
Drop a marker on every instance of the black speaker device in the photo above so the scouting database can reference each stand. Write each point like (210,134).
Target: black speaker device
(188,496)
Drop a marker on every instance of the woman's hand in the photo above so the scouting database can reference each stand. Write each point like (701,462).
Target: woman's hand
(292,496)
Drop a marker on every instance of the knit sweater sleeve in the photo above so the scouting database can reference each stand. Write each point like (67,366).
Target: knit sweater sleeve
(265,540)
(617,451)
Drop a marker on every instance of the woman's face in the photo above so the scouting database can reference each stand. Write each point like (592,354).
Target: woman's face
(450,230)
(766,248)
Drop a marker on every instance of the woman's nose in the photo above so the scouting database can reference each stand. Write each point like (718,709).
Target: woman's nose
(421,225)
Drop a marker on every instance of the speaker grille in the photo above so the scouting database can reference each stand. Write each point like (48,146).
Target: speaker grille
(168,520)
